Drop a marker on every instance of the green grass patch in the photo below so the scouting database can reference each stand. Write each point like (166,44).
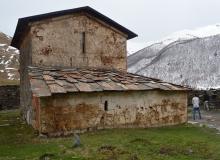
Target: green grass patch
(4,82)
(184,142)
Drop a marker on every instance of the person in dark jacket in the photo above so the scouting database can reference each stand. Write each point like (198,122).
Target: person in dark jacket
(206,101)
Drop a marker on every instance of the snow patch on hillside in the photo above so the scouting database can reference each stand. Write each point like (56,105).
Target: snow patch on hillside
(186,34)
(201,32)
(8,61)
(188,57)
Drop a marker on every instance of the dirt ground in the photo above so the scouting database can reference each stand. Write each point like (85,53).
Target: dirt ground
(210,119)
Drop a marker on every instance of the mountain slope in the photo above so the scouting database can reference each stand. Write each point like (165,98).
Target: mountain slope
(8,61)
(189,60)
(4,39)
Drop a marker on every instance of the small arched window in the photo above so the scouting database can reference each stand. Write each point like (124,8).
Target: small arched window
(83,42)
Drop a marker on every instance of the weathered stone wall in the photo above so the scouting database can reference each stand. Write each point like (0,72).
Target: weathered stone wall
(59,42)
(25,90)
(9,97)
(87,111)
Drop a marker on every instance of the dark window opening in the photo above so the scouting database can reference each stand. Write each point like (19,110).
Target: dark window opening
(71,61)
(106,106)
(83,42)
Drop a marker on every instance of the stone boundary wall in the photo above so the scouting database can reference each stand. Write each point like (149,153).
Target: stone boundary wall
(9,97)
(213,94)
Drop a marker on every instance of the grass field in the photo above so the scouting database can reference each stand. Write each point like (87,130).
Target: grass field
(183,142)
(4,82)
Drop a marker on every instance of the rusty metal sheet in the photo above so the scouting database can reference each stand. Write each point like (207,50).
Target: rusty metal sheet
(83,87)
(39,88)
(48,78)
(55,88)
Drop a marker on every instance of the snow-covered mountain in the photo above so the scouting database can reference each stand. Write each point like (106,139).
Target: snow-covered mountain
(189,57)
(8,60)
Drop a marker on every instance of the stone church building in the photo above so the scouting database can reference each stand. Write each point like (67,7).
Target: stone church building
(73,69)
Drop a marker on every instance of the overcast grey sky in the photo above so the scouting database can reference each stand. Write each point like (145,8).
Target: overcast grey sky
(150,19)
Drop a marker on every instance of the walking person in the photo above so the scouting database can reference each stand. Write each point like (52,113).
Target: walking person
(195,102)
(206,101)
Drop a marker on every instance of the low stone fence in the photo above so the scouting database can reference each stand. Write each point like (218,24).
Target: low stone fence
(9,97)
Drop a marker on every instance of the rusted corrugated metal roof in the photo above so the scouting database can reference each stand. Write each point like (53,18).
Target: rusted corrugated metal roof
(48,81)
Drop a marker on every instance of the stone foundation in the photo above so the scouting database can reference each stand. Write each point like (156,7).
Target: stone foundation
(9,97)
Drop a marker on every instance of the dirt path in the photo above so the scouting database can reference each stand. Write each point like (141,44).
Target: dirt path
(209,118)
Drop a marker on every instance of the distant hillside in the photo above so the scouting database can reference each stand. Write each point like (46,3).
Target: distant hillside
(5,39)
(186,58)
(8,61)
